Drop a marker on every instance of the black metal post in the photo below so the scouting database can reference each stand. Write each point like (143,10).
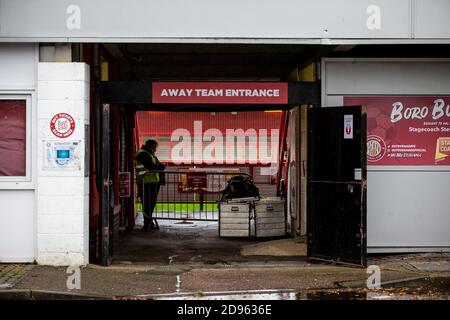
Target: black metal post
(201,199)
(106,185)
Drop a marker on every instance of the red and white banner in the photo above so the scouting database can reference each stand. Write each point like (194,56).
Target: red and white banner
(220,92)
(407,131)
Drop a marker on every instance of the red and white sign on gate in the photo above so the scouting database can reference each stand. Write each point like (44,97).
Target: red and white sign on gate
(220,92)
(197,180)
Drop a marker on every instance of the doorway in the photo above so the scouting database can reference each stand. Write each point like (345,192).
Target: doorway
(202,151)
(138,96)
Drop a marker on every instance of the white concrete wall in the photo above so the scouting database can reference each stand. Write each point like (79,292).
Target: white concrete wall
(407,206)
(18,66)
(62,195)
(294,21)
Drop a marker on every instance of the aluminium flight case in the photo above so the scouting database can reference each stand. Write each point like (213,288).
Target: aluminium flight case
(235,217)
(270,217)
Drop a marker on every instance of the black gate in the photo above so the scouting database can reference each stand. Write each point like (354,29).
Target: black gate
(337,184)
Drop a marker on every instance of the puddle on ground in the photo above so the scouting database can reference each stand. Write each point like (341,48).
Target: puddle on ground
(235,296)
(422,289)
(437,288)
(334,295)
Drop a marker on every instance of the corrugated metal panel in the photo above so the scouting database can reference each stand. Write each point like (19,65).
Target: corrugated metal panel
(161,125)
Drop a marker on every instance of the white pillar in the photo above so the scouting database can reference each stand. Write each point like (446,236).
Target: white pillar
(62,181)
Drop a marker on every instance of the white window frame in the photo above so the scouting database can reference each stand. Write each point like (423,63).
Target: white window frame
(5,181)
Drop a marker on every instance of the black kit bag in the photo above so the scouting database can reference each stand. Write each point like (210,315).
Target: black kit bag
(240,187)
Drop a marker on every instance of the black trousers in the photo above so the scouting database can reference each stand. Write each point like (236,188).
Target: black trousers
(150,197)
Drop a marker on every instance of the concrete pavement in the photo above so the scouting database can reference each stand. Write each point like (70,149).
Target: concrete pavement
(190,259)
(152,281)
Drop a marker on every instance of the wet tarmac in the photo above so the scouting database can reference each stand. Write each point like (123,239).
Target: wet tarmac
(191,243)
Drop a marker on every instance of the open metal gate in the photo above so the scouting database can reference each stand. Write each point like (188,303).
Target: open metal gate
(337,184)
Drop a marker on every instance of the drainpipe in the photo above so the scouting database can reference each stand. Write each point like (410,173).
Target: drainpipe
(97,115)
(102,128)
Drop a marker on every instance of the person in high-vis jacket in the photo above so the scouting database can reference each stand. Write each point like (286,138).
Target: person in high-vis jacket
(149,183)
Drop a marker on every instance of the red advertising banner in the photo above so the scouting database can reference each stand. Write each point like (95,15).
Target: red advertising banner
(407,130)
(220,92)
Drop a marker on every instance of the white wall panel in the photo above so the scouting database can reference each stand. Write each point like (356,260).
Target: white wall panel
(408,209)
(17,66)
(431,19)
(17,223)
(393,77)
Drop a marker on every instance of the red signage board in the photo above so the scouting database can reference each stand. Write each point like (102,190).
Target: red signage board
(407,130)
(220,92)
(196,180)
(124,184)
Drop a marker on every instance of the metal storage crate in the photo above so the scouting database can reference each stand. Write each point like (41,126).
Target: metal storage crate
(252,218)
(235,218)
(270,217)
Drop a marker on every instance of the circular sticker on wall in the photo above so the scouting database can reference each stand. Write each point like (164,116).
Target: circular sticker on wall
(62,125)
(376,148)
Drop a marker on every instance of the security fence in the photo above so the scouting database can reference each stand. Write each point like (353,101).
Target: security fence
(186,194)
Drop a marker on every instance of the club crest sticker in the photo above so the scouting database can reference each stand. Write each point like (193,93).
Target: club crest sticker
(376,148)
(62,125)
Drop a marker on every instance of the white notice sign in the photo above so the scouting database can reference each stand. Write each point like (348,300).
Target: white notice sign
(348,126)
(62,155)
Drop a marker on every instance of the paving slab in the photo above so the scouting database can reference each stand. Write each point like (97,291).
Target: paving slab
(441,266)
(277,248)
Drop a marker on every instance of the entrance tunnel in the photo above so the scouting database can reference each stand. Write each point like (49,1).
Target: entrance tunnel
(221,138)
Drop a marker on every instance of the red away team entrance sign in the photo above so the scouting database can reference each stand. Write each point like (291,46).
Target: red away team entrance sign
(407,130)
(220,92)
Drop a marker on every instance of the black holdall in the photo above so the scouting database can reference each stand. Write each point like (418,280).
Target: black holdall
(240,187)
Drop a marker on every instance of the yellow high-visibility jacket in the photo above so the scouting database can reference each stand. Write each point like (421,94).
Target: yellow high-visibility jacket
(141,170)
